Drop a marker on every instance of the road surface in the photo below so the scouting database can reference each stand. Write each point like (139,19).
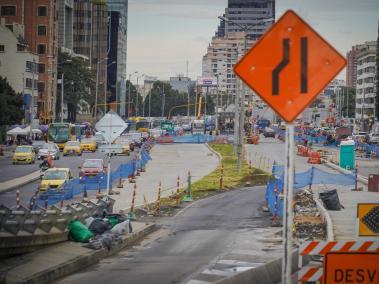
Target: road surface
(211,239)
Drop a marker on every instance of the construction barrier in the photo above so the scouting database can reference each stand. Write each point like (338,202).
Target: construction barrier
(79,186)
(314,272)
(314,175)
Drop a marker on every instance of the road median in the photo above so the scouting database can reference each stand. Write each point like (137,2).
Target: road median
(18,182)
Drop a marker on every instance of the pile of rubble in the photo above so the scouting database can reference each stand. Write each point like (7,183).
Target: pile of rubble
(308,222)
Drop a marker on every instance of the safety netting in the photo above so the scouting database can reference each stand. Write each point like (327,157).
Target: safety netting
(78,186)
(274,188)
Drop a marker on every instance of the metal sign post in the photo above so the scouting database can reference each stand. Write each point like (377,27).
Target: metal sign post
(288,67)
(288,197)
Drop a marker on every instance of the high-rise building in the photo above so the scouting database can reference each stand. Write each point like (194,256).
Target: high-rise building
(90,30)
(351,67)
(222,54)
(65,24)
(365,88)
(252,16)
(38,18)
(116,83)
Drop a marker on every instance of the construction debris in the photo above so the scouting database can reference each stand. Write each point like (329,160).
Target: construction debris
(308,223)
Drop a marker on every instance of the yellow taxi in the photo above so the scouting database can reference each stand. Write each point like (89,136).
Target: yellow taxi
(88,144)
(54,178)
(72,148)
(124,144)
(24,154)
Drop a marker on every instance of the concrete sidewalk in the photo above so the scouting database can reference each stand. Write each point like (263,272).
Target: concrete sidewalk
(57,261)
(168,162)
(17,182)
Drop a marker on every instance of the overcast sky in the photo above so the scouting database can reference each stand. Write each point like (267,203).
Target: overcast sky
(164,34)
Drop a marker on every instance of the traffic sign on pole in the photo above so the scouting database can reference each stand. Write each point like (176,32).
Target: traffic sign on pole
(289,66)
(368,219)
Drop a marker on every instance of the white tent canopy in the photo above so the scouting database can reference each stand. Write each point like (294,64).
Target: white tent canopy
(17,131)
(34,131)
(20,131)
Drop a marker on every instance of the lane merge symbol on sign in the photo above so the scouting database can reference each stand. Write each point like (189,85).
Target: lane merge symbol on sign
(289,66)
(286,60)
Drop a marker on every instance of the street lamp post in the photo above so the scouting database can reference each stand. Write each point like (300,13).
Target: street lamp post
(137,94)
(130,77)
(32,100)
(62,94)
(239,113)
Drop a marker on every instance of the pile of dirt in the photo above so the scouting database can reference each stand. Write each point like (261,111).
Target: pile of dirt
(307,219)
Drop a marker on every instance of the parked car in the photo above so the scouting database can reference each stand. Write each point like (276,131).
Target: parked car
(54,178)
(92,167)
(37,145)
(72,148)
(47,149)
(24,154)
(99,138)
(269,132)
(88,144)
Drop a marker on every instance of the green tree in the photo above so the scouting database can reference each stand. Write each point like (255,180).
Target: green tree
(79,83)
(174,101)
(133,100)
(11,107)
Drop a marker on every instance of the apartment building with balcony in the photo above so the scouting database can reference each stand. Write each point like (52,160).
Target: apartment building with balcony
(365,86)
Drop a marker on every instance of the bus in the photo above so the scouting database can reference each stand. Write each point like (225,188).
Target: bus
(142,125)
(60,133)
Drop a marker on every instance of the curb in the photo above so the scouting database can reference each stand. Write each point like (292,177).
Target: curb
(78,263)
(325,215)
(9,188)
(361,178)
(328,220)
(270,272)
(214,152)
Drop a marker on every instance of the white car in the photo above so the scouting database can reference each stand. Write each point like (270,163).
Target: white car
(47,149)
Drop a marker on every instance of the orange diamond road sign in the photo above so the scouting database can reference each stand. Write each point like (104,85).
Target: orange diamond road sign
(289,66)
(368,219)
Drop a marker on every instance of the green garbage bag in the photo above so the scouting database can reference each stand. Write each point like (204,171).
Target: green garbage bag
(79,232)
(113,220)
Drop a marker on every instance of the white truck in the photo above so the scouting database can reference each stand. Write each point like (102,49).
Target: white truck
(374,135)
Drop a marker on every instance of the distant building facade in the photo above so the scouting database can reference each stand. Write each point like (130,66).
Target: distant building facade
(38,17)
(256,15)
(18,65)
(181,83)
(65,24)
(90,37)
(118,27)
(365,88)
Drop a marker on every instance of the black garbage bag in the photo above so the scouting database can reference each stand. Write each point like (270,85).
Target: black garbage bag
(331,200)
(99,226)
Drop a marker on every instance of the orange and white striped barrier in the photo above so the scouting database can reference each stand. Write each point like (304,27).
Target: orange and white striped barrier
(314,273)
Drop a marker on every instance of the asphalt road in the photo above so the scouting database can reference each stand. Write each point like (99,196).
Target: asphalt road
(9,171)
(201,243)
(72,162)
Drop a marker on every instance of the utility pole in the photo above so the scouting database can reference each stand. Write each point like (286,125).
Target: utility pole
(163,100)
(32,99)
(62,93)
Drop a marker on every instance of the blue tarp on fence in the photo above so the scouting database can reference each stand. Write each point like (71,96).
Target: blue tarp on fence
(195,138)
(309,177)
(78,186)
